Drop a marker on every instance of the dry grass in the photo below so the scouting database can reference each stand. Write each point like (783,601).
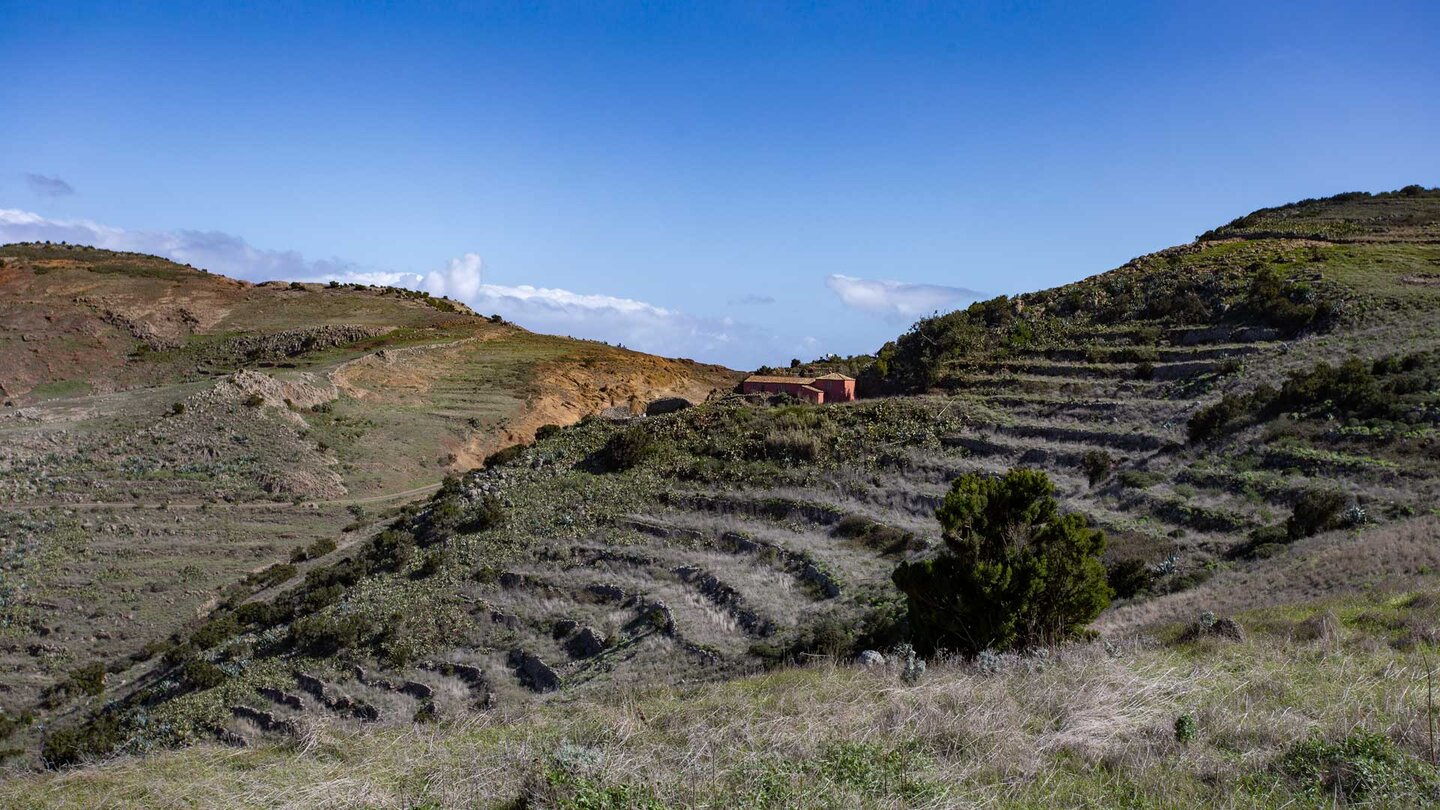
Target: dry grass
(1388,558)
(1089,725)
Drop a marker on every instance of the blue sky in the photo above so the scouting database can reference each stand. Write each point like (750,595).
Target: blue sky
(740,183)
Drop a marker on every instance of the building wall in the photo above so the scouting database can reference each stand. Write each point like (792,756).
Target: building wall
(793,389)
(837,390)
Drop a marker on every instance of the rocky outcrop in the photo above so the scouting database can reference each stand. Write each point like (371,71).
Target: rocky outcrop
(587,643)
(265,721)
(290,343)
(533,672)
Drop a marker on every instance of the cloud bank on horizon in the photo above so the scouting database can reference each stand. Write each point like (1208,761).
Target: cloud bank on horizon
(613,319)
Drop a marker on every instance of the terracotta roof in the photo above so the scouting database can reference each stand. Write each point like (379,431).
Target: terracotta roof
(834,376)
(760,378)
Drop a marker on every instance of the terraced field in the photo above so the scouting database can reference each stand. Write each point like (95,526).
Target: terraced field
(727,538)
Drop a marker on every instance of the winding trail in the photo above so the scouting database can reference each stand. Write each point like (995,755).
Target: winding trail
(408,494)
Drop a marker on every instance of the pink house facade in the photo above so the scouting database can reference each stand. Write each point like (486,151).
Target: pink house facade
(816,390)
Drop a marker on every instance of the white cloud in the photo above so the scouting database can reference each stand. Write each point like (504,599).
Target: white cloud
(47,186)
(624,321)
(898,300)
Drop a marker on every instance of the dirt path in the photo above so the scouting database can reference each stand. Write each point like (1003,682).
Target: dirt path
(389,496)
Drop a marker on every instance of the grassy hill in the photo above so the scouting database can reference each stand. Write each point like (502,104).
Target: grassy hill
(166,432)
(1251,418)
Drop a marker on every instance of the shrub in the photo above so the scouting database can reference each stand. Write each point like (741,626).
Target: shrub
(1145,370)
(1361,767)
(320,548)
(1317,510)
(389,550)
(793,444)
(1129,578)
(1214,419)
(215,631)
(199,674)
(1283,303)
(326,634)
(1014,572)
(500,458)
(629,448)
(1186,729)
(877,536)
(89,679)
(9,725)
(546,431)
(254,401)
(1097,465)
(75,744)
(430,564)
(1138,479)
(177,408)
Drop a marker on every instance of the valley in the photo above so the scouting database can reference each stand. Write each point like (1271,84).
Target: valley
(622,609)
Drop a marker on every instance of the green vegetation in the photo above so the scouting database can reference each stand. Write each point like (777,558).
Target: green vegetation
(667,553)
(1014,574)
(1403,390)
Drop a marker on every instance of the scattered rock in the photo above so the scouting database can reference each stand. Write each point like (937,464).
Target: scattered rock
(282,698)
(586,643)
(613,593)
(533,672)
(871,658)
(265,721)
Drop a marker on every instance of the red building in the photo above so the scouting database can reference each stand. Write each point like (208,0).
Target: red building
(817,390)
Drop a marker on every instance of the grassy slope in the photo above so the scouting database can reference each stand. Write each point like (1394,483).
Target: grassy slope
(782,480)
(1091,725)
(121,519)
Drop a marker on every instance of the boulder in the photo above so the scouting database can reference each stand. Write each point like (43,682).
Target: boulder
(533,672)
(586,643)
(871,658)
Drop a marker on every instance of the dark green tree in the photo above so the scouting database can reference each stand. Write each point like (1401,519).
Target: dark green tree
(1014,572)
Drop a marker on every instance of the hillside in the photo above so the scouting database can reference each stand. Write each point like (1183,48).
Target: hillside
(1251,418)
(166,431)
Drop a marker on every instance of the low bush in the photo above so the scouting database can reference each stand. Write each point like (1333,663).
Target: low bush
(1129,578)
(74,745)
(629,449)
(1014,572)
(878,536)
(1097,465)
(1138,479)
(271,576)
(1212,420)
(325,634)
(89,679)
(198,674)
(795,445)
(1317,510)
(508,455)
(215,631)
(1362,767)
